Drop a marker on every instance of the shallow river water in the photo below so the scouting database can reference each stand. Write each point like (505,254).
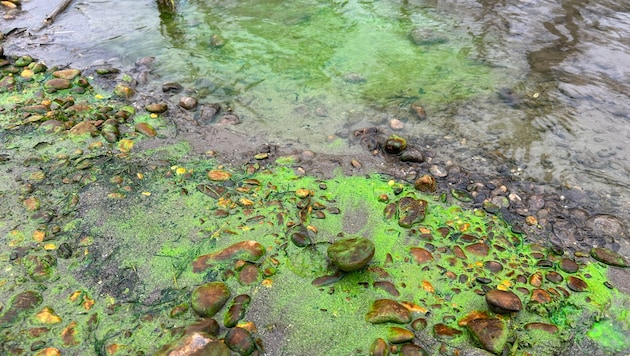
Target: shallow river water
(541,84)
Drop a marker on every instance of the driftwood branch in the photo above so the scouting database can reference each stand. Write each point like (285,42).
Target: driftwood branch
(63,5)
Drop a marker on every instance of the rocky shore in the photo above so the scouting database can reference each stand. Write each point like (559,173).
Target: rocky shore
(135,221)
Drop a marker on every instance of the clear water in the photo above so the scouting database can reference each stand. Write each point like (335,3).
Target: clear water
(301,71)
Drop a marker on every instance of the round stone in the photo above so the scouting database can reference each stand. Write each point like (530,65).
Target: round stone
(397,335)
(352,253)
(156,108)
(576,284)
(569,266)
(554,277)
(379,348)
(188,102)
(209,298)
(240,341)
(426,184)
(503,302)
(386,311)
(395,144)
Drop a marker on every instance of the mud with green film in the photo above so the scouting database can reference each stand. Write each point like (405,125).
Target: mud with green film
(113,246)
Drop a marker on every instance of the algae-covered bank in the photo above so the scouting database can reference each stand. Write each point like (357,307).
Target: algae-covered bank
(119,240)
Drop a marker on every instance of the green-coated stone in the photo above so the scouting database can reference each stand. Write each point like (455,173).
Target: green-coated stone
(491,334)
(209,298)
(352,253)
(609,257)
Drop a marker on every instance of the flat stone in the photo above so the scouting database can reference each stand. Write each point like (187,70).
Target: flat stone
(67,74)
(478,249)
(554,277)
(205,325)
(388,311)
(569,265)
(389,287)
(397,335)
(540,296)
(240,341)
(603,225)
(443,331)
(156,108)
(351,254)
(412,350)
(503,302)
(550,328)
(146,129)
(84,128)
(576,284)
(21,303)
(249,251)
(421,255)
(57,84)
(491,334)
(208,299)
(411,211)
(608,257)
(248,275)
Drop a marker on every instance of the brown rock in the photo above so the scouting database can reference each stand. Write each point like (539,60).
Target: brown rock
(540,296)
(503,302)
(84,128)
(57,84)
(576,284)
(550,328)
(389,287)
(188,102)
(156,108)
(21,303)
(491,334)
(397,335)
(208,299)
(146,129)
(443,331)
(248,275)
(379,348)
(569,266)
(249,251)
(195,343)
(67,74)
(412,350)
(478,249)
(609,257)
(386,311)
(421,255)
(240,341)
(426,184)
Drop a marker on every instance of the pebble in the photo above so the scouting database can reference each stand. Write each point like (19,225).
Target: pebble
(554,277)
(240,341)
(438,171)
(491,334)
(503,302)
(124,91)
(412,350)
(351,254)
(421,255)
(389,287)
(156,108)
(146,129)
(249,251)
(426,184)
(569,265)
(412,155)
(606,225)
(248,274)
(394,144)
(388,311)
(208,299)
(418,111)
(398,335)
(172,88)
(229,119)
(576,284)
(550,328)
(379,348)
(237,310)
(396,124)
(195,343)
(21,303)
(541,296)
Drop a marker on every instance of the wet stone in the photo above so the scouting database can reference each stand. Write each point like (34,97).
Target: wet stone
(493,266)
(554,277)
(205,325)
(395,144)
(443,331)
(237,310)
(412,155)
(172,88)
(388,311)
(124,91)
(576,284)
(67,74)
(536,279)
(379,348)
(57,84)
(419,324)
(248,275)
(156,108)
(40,268)
(426,184)
(412,350)
(478,249)
(195,343)
(606,225)
(397,335)
(351,254)
(421,255)
(240,341)
(188,102)
(502,302)
(146,129)
(550,328)
(208,299)
(411,211)
(491,334)
(249,251)
(569,266)
(20,304)
(389,287)
(609,257)
(540,296)
(84,128)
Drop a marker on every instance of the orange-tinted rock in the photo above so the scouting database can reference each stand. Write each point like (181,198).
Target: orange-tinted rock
(503,302)
(550,328)
(68,334)
(237,310)
(397,335)
(536,279)
(245,250)
(124,91)
(68,74)
(421,255)
(146,129)
(478,249)
(443,331)
(475,314)
(540,296)
(576,284)
(386,311)
(208,299)
(248,275)
(426,184)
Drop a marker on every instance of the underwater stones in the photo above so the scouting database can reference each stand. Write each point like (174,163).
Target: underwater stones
(397,335)
(156,108)
(608,257)
(145,129)
(351,254)
(57,84)
(606,225)
(172,88)
(388,311)
(421,255)
(426,184)
(491,334)
(245,250)
(229,119)
(576,284)
(395,144)
(124,91)
(422,36)
(188,102)
(20,303)
(208,299)
(379,348)
(411,155)
(237,310)
(503,302)
(418,111)
(411,211)
(207,112)
(67,74)
(240,341)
